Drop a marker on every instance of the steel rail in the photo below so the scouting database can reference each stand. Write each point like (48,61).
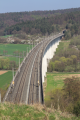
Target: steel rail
(30,78)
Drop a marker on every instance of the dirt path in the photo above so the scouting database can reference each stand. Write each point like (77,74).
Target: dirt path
(2,72)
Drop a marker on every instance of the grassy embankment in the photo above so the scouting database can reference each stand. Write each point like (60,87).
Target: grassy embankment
(37,112)
(5,80)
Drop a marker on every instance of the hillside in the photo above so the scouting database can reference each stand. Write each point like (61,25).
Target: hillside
(13,18)
(40,21)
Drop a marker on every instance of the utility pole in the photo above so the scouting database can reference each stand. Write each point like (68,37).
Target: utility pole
(13,73)
(0,97)
(37,42)
(38,77)
(33,43)
(23,54)
(29,46)
(27,51)
(19,63)
(23,57)
(43,43)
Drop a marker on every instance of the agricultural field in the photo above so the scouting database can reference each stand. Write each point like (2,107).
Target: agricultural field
(13,58)
(14,51)
(11,48)
(56,81)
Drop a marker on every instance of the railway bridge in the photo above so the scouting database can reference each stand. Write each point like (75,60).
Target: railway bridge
(29,78)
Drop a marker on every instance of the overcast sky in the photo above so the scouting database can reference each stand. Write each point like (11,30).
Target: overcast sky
(31,5)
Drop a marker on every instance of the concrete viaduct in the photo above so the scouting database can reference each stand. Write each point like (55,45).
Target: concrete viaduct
(29,78)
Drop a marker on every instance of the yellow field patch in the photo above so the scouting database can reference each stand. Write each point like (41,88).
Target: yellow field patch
(65,76)
(2,72)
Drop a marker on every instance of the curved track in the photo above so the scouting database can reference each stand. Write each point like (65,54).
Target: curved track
(28,81)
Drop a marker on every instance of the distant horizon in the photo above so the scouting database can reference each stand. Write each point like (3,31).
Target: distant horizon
(41,10)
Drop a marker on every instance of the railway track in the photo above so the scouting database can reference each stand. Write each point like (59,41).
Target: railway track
(28,87)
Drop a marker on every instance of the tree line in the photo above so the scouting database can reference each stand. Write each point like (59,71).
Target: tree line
(70,21)
(42,26)
(64,64)
(8,19)
(6,64)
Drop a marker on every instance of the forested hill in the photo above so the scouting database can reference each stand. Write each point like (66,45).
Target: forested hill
(70,21)
(41,22)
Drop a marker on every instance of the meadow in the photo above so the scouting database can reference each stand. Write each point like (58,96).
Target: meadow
(11,48)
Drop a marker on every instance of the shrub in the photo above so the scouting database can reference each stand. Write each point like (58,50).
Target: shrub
(78,67)
(69,69)
(78,47)
(48,103)
(59,66)
(72,89)
(70,107)
(67,35)
(51,67)
(74,57)
(76,109)
(64,60)
(56,98)
(69,61)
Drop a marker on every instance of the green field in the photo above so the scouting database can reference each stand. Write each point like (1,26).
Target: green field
(16,59)
(5,79)
(56,81)
(10,48)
